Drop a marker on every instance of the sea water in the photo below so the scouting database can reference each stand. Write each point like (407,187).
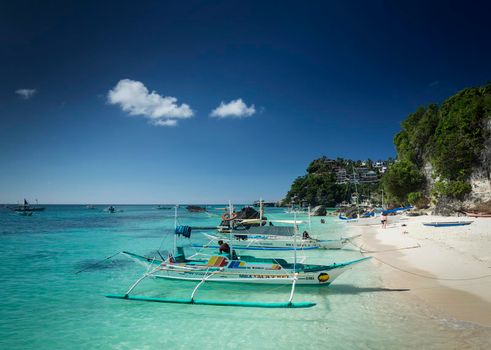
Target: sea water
(46,304)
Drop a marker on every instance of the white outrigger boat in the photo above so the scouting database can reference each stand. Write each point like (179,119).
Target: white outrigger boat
(273,238)
(368,219)
(262,234)
(230,268)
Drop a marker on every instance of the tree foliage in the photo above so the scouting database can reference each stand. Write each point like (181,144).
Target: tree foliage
(418,199)
(455,189)
(460,134)
(316,189)
(402,178)
(451,137)
(319,185)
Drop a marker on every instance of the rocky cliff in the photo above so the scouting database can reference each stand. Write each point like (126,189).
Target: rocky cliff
(444,154)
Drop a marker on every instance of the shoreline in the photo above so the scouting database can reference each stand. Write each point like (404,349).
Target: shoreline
(447,269)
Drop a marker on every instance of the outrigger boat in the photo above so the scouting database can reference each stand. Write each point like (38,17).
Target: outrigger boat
(27,207)
(230,268)
(262,234)
(274,238)
(372,218)
(478,215)
(447,223)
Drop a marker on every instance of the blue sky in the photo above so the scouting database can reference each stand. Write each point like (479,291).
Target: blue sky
(316,78)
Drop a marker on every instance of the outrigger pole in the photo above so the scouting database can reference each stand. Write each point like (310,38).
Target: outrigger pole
(191,300)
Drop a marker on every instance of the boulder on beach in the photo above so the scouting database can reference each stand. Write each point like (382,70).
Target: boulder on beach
(244,214)
(319,210)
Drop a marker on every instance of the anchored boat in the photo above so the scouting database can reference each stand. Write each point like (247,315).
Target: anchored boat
(275,238)
(27,207)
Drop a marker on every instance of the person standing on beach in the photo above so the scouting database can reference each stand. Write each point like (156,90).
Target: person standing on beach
(384,219)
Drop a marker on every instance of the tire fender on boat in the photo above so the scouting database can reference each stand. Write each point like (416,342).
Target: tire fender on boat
(228,217)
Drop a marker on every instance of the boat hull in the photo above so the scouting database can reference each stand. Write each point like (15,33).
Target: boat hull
(252,270)
(323,277)
(478,215)
(27,209)
(375,220)
(447,224)
(273,244)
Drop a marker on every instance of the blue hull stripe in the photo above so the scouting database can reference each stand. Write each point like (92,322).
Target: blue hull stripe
(257,248)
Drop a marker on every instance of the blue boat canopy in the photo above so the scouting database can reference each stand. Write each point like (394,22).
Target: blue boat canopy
(397,209)
(266,231)
(185,231)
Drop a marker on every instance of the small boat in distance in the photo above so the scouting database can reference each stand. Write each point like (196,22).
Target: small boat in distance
(163,207)
(111,209)
(195,209)
(27,207)
(447,223)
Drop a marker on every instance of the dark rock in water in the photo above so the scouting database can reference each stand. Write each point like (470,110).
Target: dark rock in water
(319,210)
(244,213)
(195,209)
(248,213)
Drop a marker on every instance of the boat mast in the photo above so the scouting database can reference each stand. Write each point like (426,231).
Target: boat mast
(175,227)
(294,242)
(230,211)
(260,211)
(310,219)
(356,190)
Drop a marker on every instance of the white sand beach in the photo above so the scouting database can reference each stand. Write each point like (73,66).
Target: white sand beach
(446,268)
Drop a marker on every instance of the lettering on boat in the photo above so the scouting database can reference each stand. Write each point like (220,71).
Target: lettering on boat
(263,276)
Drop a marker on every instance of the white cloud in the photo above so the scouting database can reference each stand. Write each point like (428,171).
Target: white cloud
(233,109)
(26,93)
(133,97)
(164,122)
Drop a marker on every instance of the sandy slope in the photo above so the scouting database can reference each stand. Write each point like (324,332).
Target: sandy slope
(448,268)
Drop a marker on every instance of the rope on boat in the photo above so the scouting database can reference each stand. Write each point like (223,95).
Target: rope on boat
(97,263)
(363,252)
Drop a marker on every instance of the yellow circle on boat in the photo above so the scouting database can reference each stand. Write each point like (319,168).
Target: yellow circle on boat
(323,277)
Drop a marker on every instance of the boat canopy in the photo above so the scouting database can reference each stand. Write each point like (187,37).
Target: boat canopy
(291,222)
(398,209)
(266,231)
(256,221)
(185,231)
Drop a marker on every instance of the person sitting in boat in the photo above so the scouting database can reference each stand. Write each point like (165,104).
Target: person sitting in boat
(305,235)
(223,247)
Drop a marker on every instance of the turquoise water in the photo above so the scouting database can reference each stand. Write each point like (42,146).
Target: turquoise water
(46,305)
